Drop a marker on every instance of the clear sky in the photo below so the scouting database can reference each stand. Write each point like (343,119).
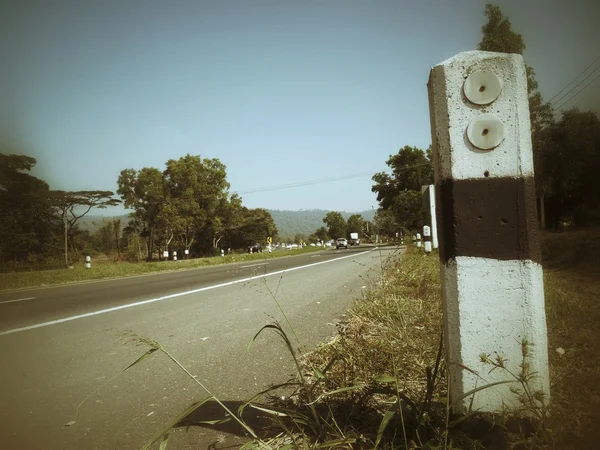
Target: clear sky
(281,91)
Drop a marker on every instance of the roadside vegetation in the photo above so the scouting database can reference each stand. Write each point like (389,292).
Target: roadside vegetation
(105,268)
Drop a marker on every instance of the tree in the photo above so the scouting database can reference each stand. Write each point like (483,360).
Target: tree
(144,192)
(72,206)
(198,190)
(321,234)
(256,225)
(386,223)
(498,36)
(180,205)
(230,218)
(400,191)
(28,223)
(570,168)
(355,223)
(336,225)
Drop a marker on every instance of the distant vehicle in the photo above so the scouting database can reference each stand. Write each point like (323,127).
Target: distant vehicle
(341,242)
(354,240)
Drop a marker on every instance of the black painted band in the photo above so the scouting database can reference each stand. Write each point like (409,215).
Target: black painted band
(492,218)
(427,238)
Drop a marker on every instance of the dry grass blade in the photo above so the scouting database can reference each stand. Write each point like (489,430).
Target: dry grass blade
(480,388)
(174,422)
(141,358)
(383,425)
(163,442)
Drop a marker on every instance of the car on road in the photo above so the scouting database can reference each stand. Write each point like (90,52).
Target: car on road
(341,242)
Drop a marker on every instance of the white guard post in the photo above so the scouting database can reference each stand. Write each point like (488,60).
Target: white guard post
(491,269)
(427,238)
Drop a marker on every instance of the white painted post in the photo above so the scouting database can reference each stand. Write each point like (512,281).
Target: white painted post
(174,256)
(427,238)
(187,253)
(489,240)
(419,240)
(88,262)
(432,202)
(222,252)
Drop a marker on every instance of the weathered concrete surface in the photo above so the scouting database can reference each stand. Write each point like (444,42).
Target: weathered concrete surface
(489,246)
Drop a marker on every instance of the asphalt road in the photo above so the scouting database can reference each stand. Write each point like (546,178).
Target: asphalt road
(62,345)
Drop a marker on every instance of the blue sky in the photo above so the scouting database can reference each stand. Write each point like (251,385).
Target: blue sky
(281,91)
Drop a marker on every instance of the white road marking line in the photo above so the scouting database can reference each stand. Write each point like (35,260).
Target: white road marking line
(167,297)
(254,265)
(18,300)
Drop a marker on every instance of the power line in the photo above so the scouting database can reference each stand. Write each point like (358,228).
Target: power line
(323,180)
(305,183)
(571,82)
(577,93)
(574,87)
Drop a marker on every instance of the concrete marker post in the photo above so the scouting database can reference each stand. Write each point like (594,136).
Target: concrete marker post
(88,262)
(419,240)
(222,252)
(427,238)
(174,256)
(432,207)
(492,280)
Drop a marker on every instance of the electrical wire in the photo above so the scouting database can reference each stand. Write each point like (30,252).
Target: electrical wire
(571,82)
(323,180)
(577,93)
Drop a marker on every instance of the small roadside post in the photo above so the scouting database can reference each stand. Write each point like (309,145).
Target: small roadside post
(427,239)
(88,262)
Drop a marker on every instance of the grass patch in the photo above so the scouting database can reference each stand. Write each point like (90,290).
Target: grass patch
(572,285)
(105,269)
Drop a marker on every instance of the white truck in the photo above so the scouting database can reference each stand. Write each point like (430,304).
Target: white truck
(354,240)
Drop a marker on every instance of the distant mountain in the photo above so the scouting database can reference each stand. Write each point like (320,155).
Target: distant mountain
(306,221)
(289,223)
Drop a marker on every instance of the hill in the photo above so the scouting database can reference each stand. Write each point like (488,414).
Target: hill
(289,223)
(306,221)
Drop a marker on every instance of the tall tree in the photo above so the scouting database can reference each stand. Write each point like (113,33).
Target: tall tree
(355,223)
(72,206)
(256,225)
(198,190)
(571,165)
(498,36)
(386,223)
(227,221)
(400,191)
(321,234)
(28,223)
(144,192)
(336,225)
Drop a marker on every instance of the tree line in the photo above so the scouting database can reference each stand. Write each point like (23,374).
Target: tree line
(187,206)
(566,154)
